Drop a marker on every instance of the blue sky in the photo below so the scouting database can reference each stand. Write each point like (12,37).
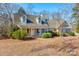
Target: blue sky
(51,7)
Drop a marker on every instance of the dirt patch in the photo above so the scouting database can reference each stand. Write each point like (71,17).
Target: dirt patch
(41,47)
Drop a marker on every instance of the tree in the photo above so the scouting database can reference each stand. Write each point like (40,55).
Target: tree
(60,17)
(7,11)
(56,16)
(75,15)
(30,9)
(44,16)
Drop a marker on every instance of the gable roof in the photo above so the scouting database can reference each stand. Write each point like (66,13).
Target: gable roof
(52,23)
(55,23)
(29,17)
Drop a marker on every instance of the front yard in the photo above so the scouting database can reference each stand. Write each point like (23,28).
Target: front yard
(41,47)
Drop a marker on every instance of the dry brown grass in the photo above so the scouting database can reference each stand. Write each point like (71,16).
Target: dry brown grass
(44,47)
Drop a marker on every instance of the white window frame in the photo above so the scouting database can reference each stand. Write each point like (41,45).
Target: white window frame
(23,20)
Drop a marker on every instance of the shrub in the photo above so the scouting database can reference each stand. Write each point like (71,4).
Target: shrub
(14,28)
(55,33)
(58,33)
(19,34)
(11,30)
(47,35)
(77,28)
(71,33)
(65,34)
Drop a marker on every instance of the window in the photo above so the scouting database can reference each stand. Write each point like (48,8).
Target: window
(44,21)
(23,20)
(38,20)
(29,21)
(44,30)
(67,30)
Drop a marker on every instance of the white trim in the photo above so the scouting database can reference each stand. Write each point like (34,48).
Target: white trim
(23,20)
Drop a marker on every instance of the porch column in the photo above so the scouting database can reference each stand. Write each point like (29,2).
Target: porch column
(32,32)
(40,32)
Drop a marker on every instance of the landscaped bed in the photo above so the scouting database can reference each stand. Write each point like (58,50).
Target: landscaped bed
(40,46)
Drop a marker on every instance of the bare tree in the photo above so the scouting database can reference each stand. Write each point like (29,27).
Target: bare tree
(63,14)
(30,9)
(58,16)
(45,14)
(7,11)
(75,16)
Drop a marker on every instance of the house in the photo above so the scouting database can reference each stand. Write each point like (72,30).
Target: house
(36,25)
(59,25)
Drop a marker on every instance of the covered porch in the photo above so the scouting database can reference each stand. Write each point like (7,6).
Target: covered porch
(35,30)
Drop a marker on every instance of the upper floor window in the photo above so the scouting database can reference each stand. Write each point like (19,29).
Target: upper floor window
(44,21)
(29,21)
(38,20)
(23,19)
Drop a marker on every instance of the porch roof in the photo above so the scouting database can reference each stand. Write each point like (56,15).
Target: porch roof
(33,26)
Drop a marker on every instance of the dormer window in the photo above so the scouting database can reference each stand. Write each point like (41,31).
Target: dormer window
(23,20)
(29,21)
(44,21)
(41,20)
(38,20)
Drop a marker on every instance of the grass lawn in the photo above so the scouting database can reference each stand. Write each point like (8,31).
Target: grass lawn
(40,47)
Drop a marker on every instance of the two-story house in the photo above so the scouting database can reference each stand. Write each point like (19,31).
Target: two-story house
(36,25)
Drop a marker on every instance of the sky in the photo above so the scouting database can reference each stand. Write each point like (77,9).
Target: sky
(50,7)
